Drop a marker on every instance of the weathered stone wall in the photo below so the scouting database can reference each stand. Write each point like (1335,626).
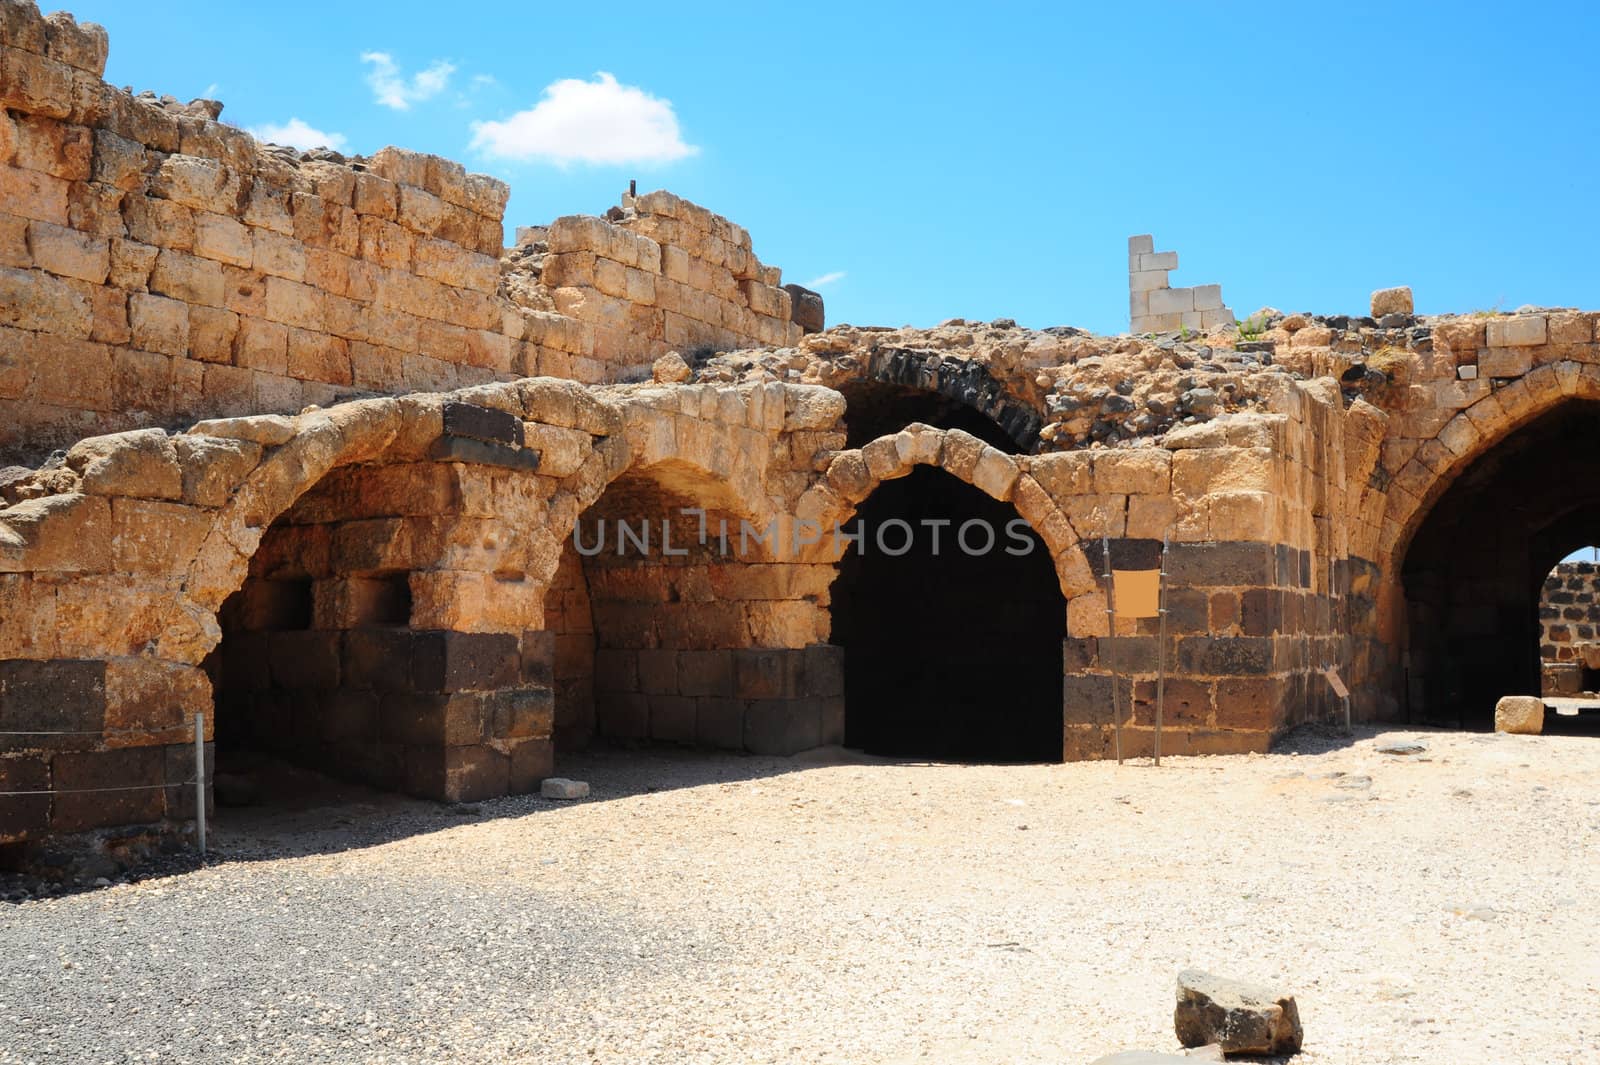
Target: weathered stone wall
(1569,622)
(158,266)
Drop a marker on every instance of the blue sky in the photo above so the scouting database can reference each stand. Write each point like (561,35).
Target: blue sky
(977,160)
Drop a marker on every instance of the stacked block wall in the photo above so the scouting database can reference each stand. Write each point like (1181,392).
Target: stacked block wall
(1155,306)
(1569,622)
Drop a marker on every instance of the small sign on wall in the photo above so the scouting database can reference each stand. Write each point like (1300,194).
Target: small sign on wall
(1137,592)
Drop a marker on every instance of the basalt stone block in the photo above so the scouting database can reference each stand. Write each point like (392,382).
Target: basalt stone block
(1225,655)
(766,674)
(822,671)
(1260,611)
(447,720)
(1254,703)
(672,718)
(705,673)
(1187,611)
(538,657)
(347,717)
(806,308)
(457,774)
(783,726)
(1129,654)
(1126,553)
(532,761)
(378,659)
(1078,654)
(482,423)
(1086,698)
(306,660)
(1221,564)
(140,769)
(622,715)
(833,721)
(482,453)
(178,759)
(719,723)
(525,713)
(63,695)
(23,816)
(464,661)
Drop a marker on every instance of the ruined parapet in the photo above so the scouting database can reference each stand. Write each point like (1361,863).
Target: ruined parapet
(1154,306)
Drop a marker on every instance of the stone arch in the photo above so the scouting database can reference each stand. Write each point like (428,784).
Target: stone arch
(1468,435)
(1505,497)
(892,387)
(889,607)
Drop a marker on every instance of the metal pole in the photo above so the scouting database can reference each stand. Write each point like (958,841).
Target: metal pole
(1111,632)
(200,782)
(1161,645)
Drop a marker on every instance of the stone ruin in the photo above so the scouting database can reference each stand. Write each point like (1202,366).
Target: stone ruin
(1569,622)
(296,445)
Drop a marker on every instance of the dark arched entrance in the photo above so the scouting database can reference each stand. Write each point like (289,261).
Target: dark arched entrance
(1474,570)
(949,655)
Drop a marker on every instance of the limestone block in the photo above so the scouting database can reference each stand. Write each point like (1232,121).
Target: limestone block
(882,458)
(811,407)
(1519,714)
(203,184)
(1392,301)
(213,466)
(80,45)
(36,301)
(561,451)
(69,533)
(35,84)
(69,253)
(1063,473)
(1170,301)
(995,473)
(1199,471)
(159,324)
(1141,471)
(1521,331)
(188,278)
(141,463)
(1506,361)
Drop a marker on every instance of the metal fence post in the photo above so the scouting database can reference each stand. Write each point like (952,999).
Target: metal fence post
(1111,634)
(200,782)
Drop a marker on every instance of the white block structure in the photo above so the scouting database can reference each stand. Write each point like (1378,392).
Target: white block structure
(1155,306)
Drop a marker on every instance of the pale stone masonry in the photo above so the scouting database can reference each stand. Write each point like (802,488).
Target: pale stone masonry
(1153,305)
(330,455)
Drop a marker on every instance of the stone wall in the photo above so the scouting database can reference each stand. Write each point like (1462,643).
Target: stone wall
(159,266)
(1569,623)
(1154,305)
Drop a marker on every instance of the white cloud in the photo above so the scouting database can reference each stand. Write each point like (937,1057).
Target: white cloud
(210,91)
(826,279)
(390,87)
(599,121)
(299,135)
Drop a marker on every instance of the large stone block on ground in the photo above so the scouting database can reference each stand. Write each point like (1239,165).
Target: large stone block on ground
(1242,1018)
(1520,714)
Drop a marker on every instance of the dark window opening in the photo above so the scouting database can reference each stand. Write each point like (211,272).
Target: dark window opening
(874,409)
(949,655)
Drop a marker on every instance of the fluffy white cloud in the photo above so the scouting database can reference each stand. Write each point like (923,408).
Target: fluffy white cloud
(300,135)
(826,279)
(391,88)
(576,121)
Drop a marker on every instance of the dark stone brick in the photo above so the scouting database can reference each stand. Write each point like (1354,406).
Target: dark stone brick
(62,695)
(766,673)
(538,658)
(1186,702)
(418,718)
(719,723)
(672,718)
(1222,564)
(178,761)
(1253,702)
(348,717)
(247,661)
(833,712)
(703,673)
(1086,698)
(1186,611)
(1079,654)
(1225,655)
(658,671)
(783,726)
(456,774)
(307,660)
(480,453)
(482,423)
(464,661)
(377,659)
(23,816)
(622,715)
(616,670)
(141,767)
(822,672)
(1260,611)
(522,713)
(1129,654)
(805,308)
(1126,553)
(532,760)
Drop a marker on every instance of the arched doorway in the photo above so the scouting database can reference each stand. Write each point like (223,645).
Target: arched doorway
(952,649)
(1474,571)
(1569,628)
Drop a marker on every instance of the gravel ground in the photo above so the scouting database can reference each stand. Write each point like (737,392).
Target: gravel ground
(1430,908)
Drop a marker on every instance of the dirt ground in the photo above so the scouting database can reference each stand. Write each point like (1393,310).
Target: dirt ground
(1432,907)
